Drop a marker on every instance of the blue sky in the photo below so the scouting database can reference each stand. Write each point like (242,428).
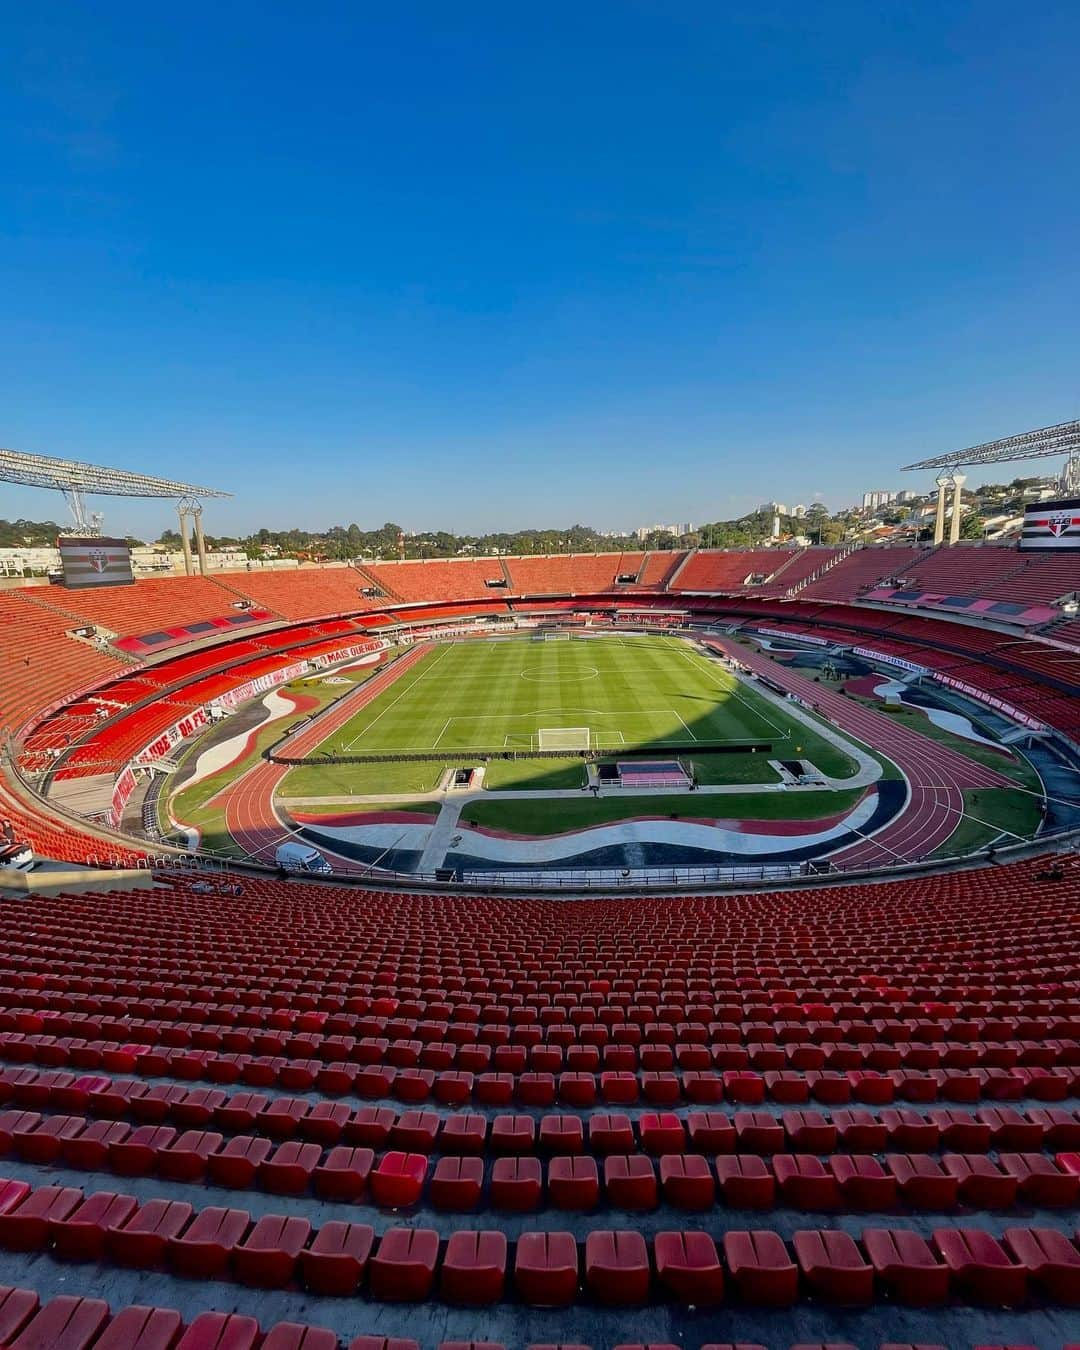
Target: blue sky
(489,265)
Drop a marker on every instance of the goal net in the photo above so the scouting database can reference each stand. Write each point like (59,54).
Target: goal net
(556,637)
(563,738)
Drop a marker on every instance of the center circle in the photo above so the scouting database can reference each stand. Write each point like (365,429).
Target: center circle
(586,673)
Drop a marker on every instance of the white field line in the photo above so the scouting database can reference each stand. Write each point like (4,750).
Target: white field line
(700,663)
(681,719)
(400,696)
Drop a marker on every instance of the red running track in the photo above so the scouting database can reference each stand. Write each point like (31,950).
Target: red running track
(249,802)
(936,774)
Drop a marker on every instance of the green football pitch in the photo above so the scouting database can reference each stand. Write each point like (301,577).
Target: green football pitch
(513,694)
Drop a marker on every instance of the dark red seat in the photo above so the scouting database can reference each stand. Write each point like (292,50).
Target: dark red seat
(142,1240)
(403,1267)
(456,1184)
(17,1307)
(759,1132)
(137,1154)
(745,1182)
(833,1267)
(630,1181)
(288,1170)
(267,1256)
(546,1269)
(863,1182)
(905,1265)
(474,1267)
(89,1150)
(337,1259)
(142,1328)
(573,1183)
(465,1135)
(686,1181)
(237,1164)
(617,1267)
(1052,1262)
(45,1141)
(661,1132)
(688,1267)
(64,1323)
(206,1247)
(922,1182)
(185,1158)
(516,1184)
(809,1132)
(25,1228)
(804,1182)
(981,1268)
(980,1182)
(297,1336)
(415,1131)
(761,1267)
(512,1135)
(81,1236)
(610,1133)
(1039,1182)
(344,1173)
(220,1331)
(711,1132)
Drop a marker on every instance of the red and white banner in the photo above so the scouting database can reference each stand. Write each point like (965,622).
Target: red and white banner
(1025,719)
(187,726)
(1052,525)
(121,795)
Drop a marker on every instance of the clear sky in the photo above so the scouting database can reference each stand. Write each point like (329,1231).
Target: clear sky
(485,265)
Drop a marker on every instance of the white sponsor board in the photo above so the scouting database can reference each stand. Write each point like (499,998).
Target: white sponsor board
(1008,709)
(794,637)
(872,655)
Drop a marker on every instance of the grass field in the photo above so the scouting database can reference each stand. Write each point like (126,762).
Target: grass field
(554,815)
(630,693)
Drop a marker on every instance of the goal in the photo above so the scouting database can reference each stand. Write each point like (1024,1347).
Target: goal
(556,637)
(563,738)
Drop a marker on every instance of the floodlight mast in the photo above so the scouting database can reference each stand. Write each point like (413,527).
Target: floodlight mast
(74,479)
(1062,439)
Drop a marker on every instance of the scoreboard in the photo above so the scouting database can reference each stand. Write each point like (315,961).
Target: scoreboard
(95,562)
(1052,525)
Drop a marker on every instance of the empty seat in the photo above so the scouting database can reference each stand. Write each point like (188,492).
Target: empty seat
(64,1323)
(267,1256)
(516,1184)
(81,1236)
(863,1182)
(344,1173)
(687,1181)
(220,1331)
(572,1183)
(288,1170)
(1038,1181)
(980,1182)
(833,1267)
(337,1259)
(143,1239)
(456,1184)
(922,1182)
(1052,1262)
(17,1307)
(630,1181)
(403,1267)
(398,1179)
(617,1267)
(745,1182)
(761,1267)
(25,1228)
(142,1328)
(236,1165)
(905,1265)
(804,1182)
(981,1268)
(546,1269)
(688,1267)
(474,1267)
(206,1247)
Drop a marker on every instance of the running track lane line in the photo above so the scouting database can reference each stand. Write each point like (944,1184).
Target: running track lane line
(935,773)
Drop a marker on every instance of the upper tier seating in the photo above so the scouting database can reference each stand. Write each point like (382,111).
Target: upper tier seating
(38,662)
(439,579)
(151,603)
(659,567)
(567,574)
(730,569)
(862,570)
(306,592)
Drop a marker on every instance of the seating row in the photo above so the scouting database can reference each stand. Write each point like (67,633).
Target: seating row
(620,1267)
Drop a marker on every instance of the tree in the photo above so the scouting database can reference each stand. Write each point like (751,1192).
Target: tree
(971,526)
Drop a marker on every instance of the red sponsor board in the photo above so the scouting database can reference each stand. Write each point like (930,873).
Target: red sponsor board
(121,795)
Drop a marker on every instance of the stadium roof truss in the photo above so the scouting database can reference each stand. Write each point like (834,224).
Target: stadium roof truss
(1063,439)
(74,478)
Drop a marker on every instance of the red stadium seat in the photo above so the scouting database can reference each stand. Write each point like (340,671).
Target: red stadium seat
(403,1268)
(546,1269)
(336,1261)
(833,1266)
(474,1267)
(688,1267)
(905,1265)
(761,1268)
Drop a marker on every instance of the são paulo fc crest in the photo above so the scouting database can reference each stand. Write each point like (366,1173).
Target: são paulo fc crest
(1059,522)
(98,559)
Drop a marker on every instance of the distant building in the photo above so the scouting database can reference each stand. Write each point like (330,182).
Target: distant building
(874,501)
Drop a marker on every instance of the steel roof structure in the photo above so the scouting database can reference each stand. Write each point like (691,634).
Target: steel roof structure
(71,475)
(1063,439)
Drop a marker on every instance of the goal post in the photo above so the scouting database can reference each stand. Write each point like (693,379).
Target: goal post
(563,738)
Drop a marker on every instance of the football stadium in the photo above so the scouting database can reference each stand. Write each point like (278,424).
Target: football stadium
(449,900)
(542,950)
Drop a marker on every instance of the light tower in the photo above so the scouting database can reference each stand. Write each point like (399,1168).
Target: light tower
(958,479)
(942,480)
